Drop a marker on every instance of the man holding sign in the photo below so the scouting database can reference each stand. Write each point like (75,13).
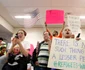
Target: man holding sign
(59,51)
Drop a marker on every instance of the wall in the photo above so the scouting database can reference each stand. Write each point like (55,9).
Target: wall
(6,30)
(5,24)
(35,34)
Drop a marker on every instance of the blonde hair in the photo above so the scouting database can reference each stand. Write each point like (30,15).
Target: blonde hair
(17,46)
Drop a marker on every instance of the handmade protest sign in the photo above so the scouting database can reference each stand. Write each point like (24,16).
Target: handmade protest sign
(54,16)
(67,54)
(73,23)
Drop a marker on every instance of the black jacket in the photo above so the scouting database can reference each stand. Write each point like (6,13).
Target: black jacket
(35,54)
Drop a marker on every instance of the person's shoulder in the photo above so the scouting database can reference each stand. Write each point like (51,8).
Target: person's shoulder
(41,42)
(25,42)
(9,45)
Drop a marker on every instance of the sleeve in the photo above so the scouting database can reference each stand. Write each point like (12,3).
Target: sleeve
(9,46)
(3,59)
(28,65)
(49,33)
(34,58)
(26,45)
(60,35)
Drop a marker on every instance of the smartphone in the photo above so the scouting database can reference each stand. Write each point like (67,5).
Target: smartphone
(78,35)
(16,36)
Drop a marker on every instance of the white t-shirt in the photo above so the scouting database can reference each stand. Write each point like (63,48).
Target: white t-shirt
(25,44)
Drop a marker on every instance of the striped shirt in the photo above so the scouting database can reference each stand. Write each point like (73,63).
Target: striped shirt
(43,55)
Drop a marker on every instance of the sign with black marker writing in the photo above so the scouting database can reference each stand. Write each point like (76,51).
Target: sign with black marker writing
(73,23)
(67,54)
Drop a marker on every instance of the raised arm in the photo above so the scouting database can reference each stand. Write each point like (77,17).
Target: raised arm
(63,26)
(24,51)
(12,46)
(60,34)
(48,30)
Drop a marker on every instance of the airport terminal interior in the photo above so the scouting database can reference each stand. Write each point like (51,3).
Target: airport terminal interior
(42,34)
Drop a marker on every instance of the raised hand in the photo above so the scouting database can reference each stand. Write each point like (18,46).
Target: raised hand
(45,25)
(15,41)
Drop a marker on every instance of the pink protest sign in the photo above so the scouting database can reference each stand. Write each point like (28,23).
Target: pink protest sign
(54,16)
(31,49)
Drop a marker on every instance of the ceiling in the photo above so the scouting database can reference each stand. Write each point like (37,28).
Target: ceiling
(11,8)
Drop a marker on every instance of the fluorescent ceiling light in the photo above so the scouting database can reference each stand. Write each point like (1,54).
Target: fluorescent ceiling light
(82,17)
(24,17)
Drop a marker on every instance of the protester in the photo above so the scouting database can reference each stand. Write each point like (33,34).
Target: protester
(55,32)
(41,58)
(18,60)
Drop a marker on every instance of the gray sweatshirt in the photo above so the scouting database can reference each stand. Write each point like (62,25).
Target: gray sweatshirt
(3,60)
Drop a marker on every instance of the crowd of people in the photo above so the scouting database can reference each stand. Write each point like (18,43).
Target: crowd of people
(17,56)
(2,47)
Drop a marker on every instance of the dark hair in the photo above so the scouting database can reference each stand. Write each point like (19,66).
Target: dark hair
(2,47)
(55,32)
(1,38)
(23,31)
